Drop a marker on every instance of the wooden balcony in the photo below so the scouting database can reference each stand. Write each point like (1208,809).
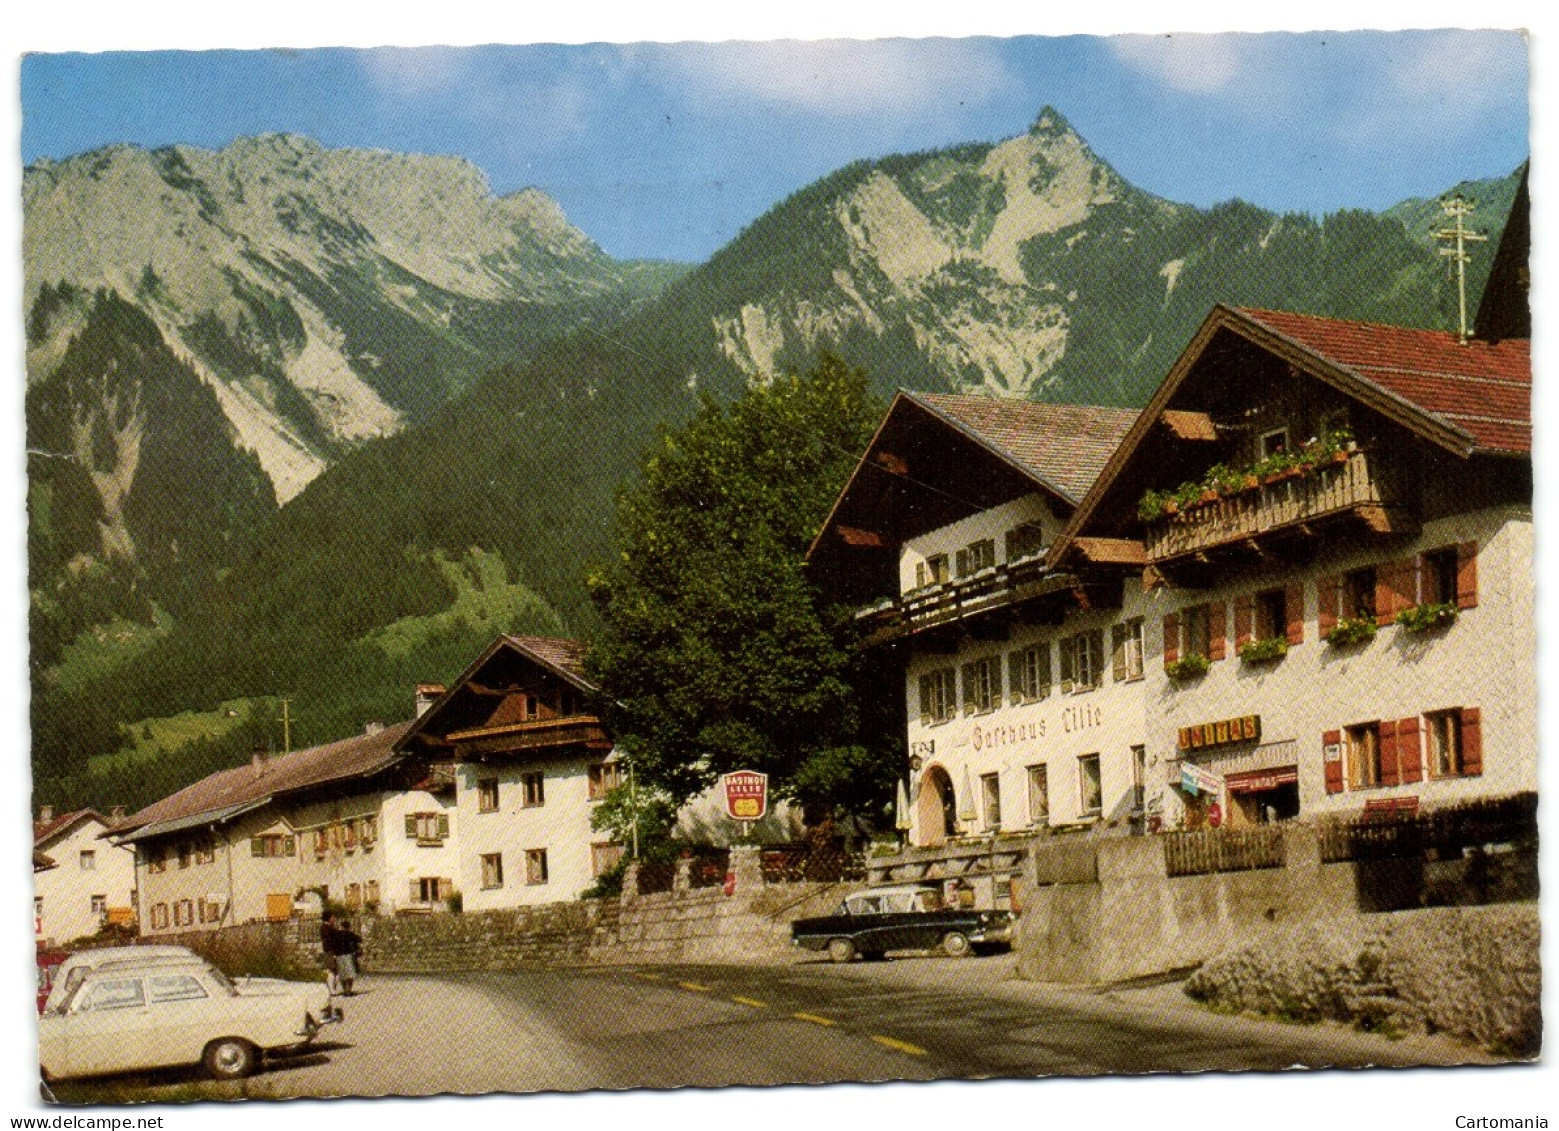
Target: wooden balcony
(532,735)
(984,592)
(1360,487)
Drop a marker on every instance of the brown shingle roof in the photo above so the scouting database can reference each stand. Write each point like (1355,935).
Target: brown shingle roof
(564,656)
(1482,388)
(1062,445)
(348,758)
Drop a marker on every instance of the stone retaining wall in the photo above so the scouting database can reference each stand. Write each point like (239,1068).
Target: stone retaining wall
(1470,972)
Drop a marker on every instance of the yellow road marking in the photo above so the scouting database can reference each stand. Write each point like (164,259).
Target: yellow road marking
(694,986)
(812,1017)
(754,1002)
(899,1046)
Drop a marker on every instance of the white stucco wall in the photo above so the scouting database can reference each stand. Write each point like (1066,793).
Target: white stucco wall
(1485,659)
(67,890)
(561,826)
(993,524)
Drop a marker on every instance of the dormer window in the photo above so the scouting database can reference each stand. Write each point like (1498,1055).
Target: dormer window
(1024,541)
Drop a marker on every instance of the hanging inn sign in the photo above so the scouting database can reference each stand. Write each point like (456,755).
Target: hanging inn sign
(1246,728)
(746,795)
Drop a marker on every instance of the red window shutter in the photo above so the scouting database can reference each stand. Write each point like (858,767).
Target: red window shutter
(1390,770)
(1327,592)
(1404,585)
(1294,609)
(1410,754)
(1386,593)
(1332,738)
(1217,629)
(1472,740)
(1467,575)
(1171,638)
(1244,619)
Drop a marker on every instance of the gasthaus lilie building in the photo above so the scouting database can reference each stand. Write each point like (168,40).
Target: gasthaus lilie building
(1298,583)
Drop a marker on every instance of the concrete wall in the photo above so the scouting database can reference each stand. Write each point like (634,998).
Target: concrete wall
(1135,920)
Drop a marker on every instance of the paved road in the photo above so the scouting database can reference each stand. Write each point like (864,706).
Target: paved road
(662,1026)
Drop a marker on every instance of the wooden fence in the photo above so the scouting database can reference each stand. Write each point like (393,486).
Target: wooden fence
(1223,850)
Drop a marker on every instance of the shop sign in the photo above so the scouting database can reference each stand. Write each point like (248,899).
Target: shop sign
(746,795)
(1215,814)
(1195,780)
(1259,781)
(1246,728)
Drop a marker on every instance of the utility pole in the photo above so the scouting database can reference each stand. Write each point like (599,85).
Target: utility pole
(286,728)
(1457,208)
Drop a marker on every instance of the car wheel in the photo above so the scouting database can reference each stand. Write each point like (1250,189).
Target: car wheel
(230,1058)
(841,950)
(956,944)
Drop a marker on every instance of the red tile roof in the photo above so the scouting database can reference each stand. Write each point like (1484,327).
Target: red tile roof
(348,758)
(46,830)
(1483,388)
(1061,444)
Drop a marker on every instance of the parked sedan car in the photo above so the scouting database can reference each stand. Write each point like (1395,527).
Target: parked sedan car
(902,917)
(75,967)
(124,1017)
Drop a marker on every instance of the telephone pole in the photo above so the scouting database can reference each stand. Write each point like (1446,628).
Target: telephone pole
(1457,208)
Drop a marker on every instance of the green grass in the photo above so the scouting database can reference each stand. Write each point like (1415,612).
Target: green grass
(97,654)
(170,733)
(485,599)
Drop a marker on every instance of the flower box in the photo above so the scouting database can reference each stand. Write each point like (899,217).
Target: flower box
(1427,618)
(1266,651)
(1191,666)
(1351,631)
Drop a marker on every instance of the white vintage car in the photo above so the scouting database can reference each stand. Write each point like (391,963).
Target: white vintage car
(123,1016)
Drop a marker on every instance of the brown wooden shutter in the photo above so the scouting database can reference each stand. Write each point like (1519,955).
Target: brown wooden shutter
(1333,769)
(1385,594)
(1118,652)
(925,700)
(1068,668)
(962,560)
(1244,619)
(1328,590)
(967,677)
(1294,610)
(1390,769)
(411,825)
(1410,752)
(1171,637)
(1472,740)
(443,826)
(1467,575)
(1403,579)
(1217,628)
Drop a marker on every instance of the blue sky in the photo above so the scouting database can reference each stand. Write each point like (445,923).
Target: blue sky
(668,150)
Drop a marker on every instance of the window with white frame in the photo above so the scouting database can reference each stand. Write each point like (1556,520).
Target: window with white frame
(1443,730)
(427,828)
(88,860)
(938,696)
(603,778)
(1039,795)
(492,870)
(932,571)
(1090,785)
(982,685)
(1126,650)
(487,795)
(990,800)
(1082,661)
(1030,673)
(976,556)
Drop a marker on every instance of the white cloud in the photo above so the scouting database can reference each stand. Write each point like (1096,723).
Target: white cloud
(848,77)
(414,71)
(1199,64)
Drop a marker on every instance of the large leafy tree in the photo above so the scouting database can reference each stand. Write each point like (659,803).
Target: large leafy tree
(717,653)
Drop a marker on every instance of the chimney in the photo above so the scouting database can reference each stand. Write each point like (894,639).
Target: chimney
(427,695)
(373,728)
(258,760)
(117,813)
(45,814)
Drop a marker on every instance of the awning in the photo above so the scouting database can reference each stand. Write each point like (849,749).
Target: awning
(1259,781)
(193,821)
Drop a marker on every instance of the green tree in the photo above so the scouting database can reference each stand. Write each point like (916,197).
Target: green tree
(716,654)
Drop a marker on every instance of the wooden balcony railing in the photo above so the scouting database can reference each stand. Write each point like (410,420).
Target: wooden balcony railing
(1353,486)
(933,605)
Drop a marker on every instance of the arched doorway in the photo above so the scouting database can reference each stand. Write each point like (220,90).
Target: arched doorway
(937,811)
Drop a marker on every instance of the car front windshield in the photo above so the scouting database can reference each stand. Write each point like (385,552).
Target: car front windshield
(220,979)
